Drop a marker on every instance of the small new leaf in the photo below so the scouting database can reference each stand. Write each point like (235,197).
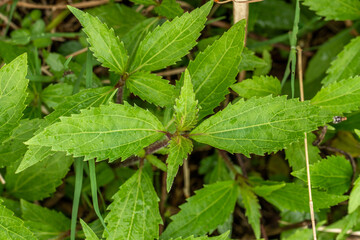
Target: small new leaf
(107,132)
(332,174)
(260,86)
(186,107)
(348,57)
(12,227)
(179,148)
(170,41)
(339,10)
(13,85)
(152,88)
(260,125)
(134,213)
(252,207)
(89,233)
(204,212)
(339,97)
(214,70)
(105,45)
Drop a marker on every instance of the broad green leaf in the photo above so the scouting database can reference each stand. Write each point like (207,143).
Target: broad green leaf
(13,85)
(296,198)
(345,65)
(249,61)
(259,125)
(107,132)
(11,227)
(295,153)
(258,86)
(332,174)
(326,53)
(13,148)
(170,41)
(40,180)
(354,200)
(214,70)
(339,97)
(133,38)
(179,149)
(204,212)
(169,9)
(152,88)
(252,207)
(266,56)
(338,10)
(105,45)
(186,107)
(118,16)
(134,213)
(53,95)
(71,105)
(223,236)
(43,222)
(89,233)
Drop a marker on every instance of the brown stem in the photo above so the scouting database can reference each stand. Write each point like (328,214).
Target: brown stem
(228,162)
(240,159)
(186,178)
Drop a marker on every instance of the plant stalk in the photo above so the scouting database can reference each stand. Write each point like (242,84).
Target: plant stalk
(311,204)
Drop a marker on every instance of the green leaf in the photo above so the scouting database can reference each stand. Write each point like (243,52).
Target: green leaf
(53,95)
(300,234)
(345,224)
(250,62)
(134,213)
(260,86)
(170,41)
(339,97)
(105,45)
(252,207)
(204,212)
(133,38)
(259,125)
(156,162)
(169,9)
(71,105)
(118,16)
(296,198)
(214,169)
(214,70)
(338,10)
(89,233)
(40,180)
(332,174)
(348,57)
(295,153)
(152,88)
(354,200)
(13,85)
(13,148)
(326,53)
(107,132)
(186,107)
(12,227)
(43,222)
(179,149)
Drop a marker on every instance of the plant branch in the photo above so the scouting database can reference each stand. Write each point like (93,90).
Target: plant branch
(311,204)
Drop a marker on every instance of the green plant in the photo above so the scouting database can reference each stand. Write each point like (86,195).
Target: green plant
(107,124)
